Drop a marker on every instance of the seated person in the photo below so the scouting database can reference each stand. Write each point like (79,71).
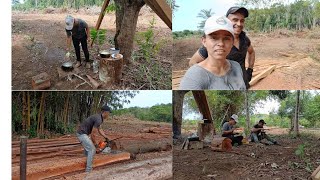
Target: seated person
(234,116)
(215,72)
(257,133)
(227,131)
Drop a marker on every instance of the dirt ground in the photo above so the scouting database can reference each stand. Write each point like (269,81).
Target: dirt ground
(131,129)
(251,161)
(39,43)
(298,71)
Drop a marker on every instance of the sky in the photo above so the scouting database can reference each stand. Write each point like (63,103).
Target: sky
(148,98)
(185,17)
(265,107)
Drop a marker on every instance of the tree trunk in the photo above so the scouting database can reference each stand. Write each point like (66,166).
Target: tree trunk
(28,115)
(65,114)
(127,12)
(177,100)
(24,111)
(40,114)
(246,99)
(296,115)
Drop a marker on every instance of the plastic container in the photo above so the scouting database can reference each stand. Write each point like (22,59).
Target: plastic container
(95,66)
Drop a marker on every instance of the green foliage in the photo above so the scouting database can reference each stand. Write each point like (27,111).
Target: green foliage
(99,35)
(149,69)
(204,14)
(300,151)
(275,15)
(159,113)
(41,4)
(186,33)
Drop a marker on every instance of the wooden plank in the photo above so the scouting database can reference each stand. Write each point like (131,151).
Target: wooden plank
(316,174)
(101,16)
(262,75)
(73,165)
(162,9)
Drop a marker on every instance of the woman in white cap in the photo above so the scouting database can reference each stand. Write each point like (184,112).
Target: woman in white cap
(78,30)
(215,72)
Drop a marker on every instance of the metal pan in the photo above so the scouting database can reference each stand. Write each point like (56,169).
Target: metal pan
(67,66)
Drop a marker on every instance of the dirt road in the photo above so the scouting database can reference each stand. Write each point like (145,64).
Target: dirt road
(296,58)
(39,43)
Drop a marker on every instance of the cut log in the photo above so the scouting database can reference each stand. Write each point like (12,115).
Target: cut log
(41,81)
(262,75)
(68,166)
(316,174)
(95,84)
(221,143)
(205,131)
(110,70)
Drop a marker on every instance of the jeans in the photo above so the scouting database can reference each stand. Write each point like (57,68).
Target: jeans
(257,138)
(76,43)
(90,149)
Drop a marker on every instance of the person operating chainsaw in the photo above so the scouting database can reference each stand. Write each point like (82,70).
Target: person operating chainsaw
(91,127)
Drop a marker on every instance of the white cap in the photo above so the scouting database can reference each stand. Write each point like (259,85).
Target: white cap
(216,23)
(69,22)
(235,117)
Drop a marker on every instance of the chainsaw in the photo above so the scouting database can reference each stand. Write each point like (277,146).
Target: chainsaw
(107,145)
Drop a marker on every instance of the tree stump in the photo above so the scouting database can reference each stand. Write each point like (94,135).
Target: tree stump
(221,144)
(110,70)
(205,131)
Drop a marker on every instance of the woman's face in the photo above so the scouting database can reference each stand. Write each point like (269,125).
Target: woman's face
(218,44)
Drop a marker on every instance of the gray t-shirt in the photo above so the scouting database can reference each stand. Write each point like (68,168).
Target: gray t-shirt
(87,125)
(78,31)
(198,78)
(226,127)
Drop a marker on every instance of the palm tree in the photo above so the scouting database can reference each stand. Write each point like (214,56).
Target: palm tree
(204,14)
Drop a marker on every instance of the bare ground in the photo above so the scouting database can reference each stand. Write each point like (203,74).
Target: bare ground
(299,71)
(251,161)
(39,42)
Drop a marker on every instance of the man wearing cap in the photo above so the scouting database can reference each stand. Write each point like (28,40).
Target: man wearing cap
(241,45)
(257,133)
(78,30)
(91,126)
(216,71)
(228,128)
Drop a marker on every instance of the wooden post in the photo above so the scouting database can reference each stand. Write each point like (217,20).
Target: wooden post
(23,157)
(205,130)
(111,69)
(102,13)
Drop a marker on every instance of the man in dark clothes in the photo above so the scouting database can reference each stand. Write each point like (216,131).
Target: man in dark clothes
(90,127)
(79,31)
(257,133)
(241,45)
(227,131)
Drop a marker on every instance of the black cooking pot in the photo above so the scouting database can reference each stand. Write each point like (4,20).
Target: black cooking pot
(67,66)
(105,54)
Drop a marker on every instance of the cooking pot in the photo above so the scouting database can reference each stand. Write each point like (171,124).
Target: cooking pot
(67,66)
(105,54)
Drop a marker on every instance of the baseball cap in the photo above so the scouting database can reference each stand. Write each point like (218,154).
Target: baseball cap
(106,108)
(262,121)
(216,23)
(241,10)
(235,117)
(69,22)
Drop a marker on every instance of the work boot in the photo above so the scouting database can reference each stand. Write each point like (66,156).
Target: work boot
(78,64)
(88,66)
